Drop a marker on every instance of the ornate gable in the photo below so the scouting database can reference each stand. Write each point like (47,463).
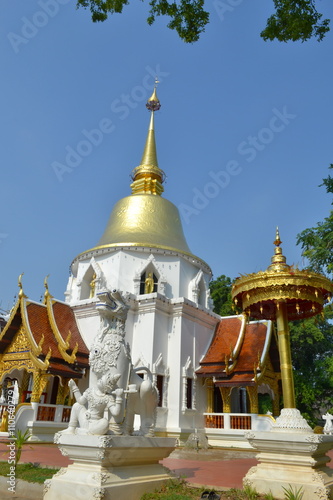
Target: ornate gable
(31,340)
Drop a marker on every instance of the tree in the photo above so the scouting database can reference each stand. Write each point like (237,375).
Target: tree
(317,242)
(312,356)
(312,340)
(293,19)
(220,291)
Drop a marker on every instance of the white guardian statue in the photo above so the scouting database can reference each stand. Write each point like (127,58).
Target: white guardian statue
(116,393)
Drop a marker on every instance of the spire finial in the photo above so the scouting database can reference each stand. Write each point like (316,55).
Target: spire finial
(277,241)
(153,103)
(148,177)
(279,262)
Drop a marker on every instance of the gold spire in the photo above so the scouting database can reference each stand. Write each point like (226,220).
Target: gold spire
(148,177)
(144,219)
(279,262)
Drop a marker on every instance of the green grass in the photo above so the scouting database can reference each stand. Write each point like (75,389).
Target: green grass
(29,472)
(179,490)
(174,489)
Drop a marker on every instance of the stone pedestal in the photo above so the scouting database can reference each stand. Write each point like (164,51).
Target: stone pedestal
(291,458)
(109,467)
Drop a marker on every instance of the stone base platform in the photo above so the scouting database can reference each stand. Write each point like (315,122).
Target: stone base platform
(291,459)
(109,467)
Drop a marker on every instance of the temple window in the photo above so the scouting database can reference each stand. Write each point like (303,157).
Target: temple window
(189,389)
(160,379)
(148,282)
(159,385)
(243,402)
(88,285)
(54,391)
(218,403)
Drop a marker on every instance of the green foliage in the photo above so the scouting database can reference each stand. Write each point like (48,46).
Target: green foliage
(173,489)
(265,403)
(180,490)
(20,439)
(220,292)
(317,242)
(250,492)
(312,340)
(293,19)
(293,494)
(269,496)
(312,355)
(188,17)
(167,496)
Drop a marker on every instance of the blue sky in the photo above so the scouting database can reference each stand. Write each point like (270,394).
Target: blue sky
(244,134)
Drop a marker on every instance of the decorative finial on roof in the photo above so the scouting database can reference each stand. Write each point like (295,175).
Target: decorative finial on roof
(279,262)
(21,293)
(153,103)
(277,241)
(148,177)
(20,281)
(46,285)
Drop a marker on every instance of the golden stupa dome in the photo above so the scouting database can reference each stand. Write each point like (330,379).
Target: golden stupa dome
(145,219)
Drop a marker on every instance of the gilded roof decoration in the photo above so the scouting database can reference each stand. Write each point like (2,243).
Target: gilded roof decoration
(39,336)
(303,291)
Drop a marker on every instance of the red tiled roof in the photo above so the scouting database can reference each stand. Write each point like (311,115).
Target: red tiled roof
(65,320)
(39,325)
(224,342)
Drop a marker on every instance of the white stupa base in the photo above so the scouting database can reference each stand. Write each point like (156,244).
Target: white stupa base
(109,467)
(291,420)
(291,458)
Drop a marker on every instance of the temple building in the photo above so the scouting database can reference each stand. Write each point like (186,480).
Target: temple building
(204,366)
(41,350)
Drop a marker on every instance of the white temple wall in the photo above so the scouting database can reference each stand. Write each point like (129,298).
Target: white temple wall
(174,382)
(150,329)
(168,331)
(122,269)
(88,320)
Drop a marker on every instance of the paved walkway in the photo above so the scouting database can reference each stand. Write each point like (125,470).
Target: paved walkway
(216,468)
